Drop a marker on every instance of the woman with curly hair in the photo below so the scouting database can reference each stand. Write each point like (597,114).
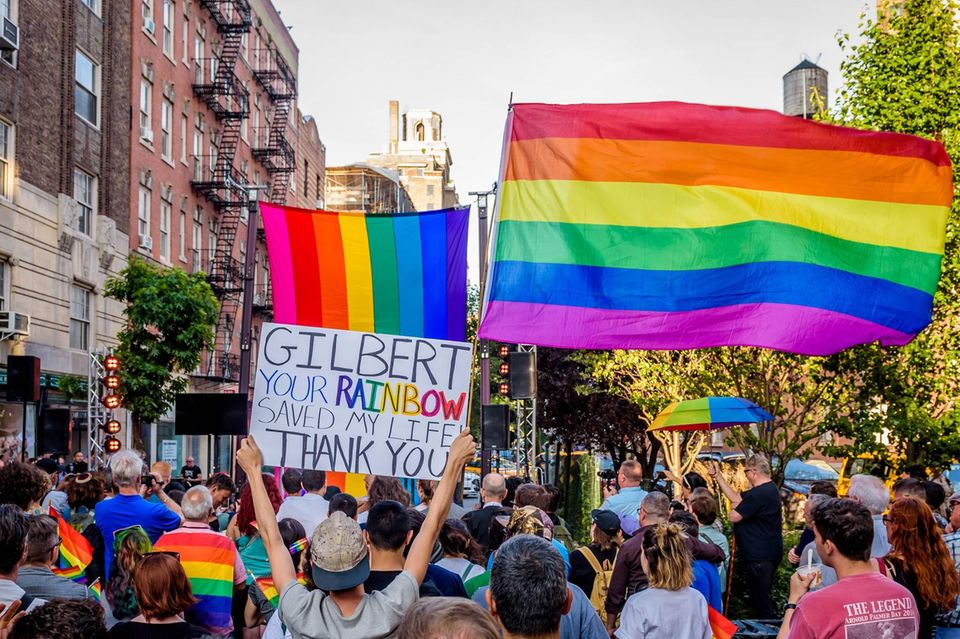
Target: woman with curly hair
(669,608)
(243,529)
(381,488)
(130,545)
(462,555)
(920,561)
(23,485)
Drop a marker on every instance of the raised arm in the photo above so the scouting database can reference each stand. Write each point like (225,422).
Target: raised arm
(461,451)
(725,487)
(281,563)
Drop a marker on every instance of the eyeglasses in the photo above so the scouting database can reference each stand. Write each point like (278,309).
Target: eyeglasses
(56,545)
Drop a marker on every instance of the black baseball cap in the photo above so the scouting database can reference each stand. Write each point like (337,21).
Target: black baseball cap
(606,520)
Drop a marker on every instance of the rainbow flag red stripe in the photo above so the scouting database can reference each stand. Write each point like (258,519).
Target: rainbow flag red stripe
(76,553)
(208,558)
(269,590)
(676,226)
(721,627)
(95,589)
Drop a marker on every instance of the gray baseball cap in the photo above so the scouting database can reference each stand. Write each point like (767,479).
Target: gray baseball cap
(338,554)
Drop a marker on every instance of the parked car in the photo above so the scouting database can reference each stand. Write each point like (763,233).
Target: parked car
(471,484)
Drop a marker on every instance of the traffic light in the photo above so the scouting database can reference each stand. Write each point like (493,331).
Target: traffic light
(111,445)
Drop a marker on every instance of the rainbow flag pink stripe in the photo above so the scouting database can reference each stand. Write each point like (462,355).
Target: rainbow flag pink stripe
(208,558)
(678,226)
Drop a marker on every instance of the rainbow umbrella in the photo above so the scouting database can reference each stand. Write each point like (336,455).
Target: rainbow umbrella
(709,413)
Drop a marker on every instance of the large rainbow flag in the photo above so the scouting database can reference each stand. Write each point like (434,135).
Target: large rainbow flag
(395,273)
(676,226)
(76,553)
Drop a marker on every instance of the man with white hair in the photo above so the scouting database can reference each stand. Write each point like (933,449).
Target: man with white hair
(872,493)
(210,560)
(130,508)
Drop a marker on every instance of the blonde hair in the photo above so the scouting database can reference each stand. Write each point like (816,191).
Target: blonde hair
(671,567)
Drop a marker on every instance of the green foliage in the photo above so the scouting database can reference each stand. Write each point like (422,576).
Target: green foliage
(584,488)
(72,386)
(904,76)
(171,317)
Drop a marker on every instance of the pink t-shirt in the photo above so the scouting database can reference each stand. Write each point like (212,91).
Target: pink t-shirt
(869,606)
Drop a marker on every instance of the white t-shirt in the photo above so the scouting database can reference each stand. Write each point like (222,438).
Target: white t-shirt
(665,614)
(464,568)
(309,510)
(314,615)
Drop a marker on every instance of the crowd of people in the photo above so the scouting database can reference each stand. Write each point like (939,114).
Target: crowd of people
(182,557)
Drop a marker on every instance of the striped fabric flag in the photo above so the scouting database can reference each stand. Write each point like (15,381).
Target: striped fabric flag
(76,553)
(721,627)
(395,273)
(95,590)
(270,591)
(676,226)
(208,559)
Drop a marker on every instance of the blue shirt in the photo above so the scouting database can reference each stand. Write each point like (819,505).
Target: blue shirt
(582,622)
(124,511)
(448,583)
(706,581)
(626,503)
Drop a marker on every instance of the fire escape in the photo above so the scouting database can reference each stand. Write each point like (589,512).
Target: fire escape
(271,147)
(215,177)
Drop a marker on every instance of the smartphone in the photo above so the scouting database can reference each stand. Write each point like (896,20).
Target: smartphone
(148,480)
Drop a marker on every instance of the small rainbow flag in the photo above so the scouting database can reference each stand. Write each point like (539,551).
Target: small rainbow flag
(721,627)
(298,545)
(678,226)
(270,591)
(76,553)
(95,590)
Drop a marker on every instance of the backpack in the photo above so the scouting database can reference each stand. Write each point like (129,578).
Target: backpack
(601,581)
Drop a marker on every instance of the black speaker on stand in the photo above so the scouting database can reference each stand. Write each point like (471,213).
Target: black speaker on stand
(495,426)
(523,375)
(23,378)
(54,433)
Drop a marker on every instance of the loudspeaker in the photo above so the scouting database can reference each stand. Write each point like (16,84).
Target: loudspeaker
(211,414)
(23,378)
(523,375)
(54,434)
(495,426)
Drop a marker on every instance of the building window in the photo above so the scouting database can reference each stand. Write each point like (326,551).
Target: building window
(198,60)
(6,160)
(244,41)
(84,192)
(185,42)
(429,189)
(319,192)
(79,318)
(146,15)
(197,243)
(183,139)
(197,154)
(165,212)
(166,129)
(306,179)
(4,284)
(146,110)
(86,93)
(167,42)
(7,10)
(182,236)
(90,4)
(419,132)
(143,215)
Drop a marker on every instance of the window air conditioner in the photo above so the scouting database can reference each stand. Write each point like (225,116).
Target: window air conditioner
(13,323)
(9,36)
(146,242)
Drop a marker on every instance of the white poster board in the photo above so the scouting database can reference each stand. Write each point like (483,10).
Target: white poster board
(168,451)
(358,402)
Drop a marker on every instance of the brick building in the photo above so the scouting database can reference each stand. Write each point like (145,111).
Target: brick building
(214,109)
(64,198)
(419,153)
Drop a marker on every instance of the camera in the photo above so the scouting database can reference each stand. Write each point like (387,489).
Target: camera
(148,480)
(607,475)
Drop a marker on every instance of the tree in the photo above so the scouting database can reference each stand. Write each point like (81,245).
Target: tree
(171,317)
(904,76)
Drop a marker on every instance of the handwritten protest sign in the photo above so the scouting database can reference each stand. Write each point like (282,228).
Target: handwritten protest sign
(359,402)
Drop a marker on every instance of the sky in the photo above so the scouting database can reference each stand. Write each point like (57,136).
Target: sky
(463,59)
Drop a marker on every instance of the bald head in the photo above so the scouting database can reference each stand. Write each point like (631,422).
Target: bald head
(197,504)
(494,487)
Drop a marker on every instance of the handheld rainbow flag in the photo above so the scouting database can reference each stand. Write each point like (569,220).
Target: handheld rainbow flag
(677,226)
(270,591)
(76,553)
(95,589)
(298,545)
(721,627)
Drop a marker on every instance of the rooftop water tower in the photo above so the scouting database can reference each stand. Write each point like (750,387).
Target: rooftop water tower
(804,89)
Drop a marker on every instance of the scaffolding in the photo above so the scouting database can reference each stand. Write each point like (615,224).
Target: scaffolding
(370,189)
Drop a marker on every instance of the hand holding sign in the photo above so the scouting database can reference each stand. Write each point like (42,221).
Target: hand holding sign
(249,456)
(461,451)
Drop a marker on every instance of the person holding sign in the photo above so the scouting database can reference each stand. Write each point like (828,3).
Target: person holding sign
(340,563)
